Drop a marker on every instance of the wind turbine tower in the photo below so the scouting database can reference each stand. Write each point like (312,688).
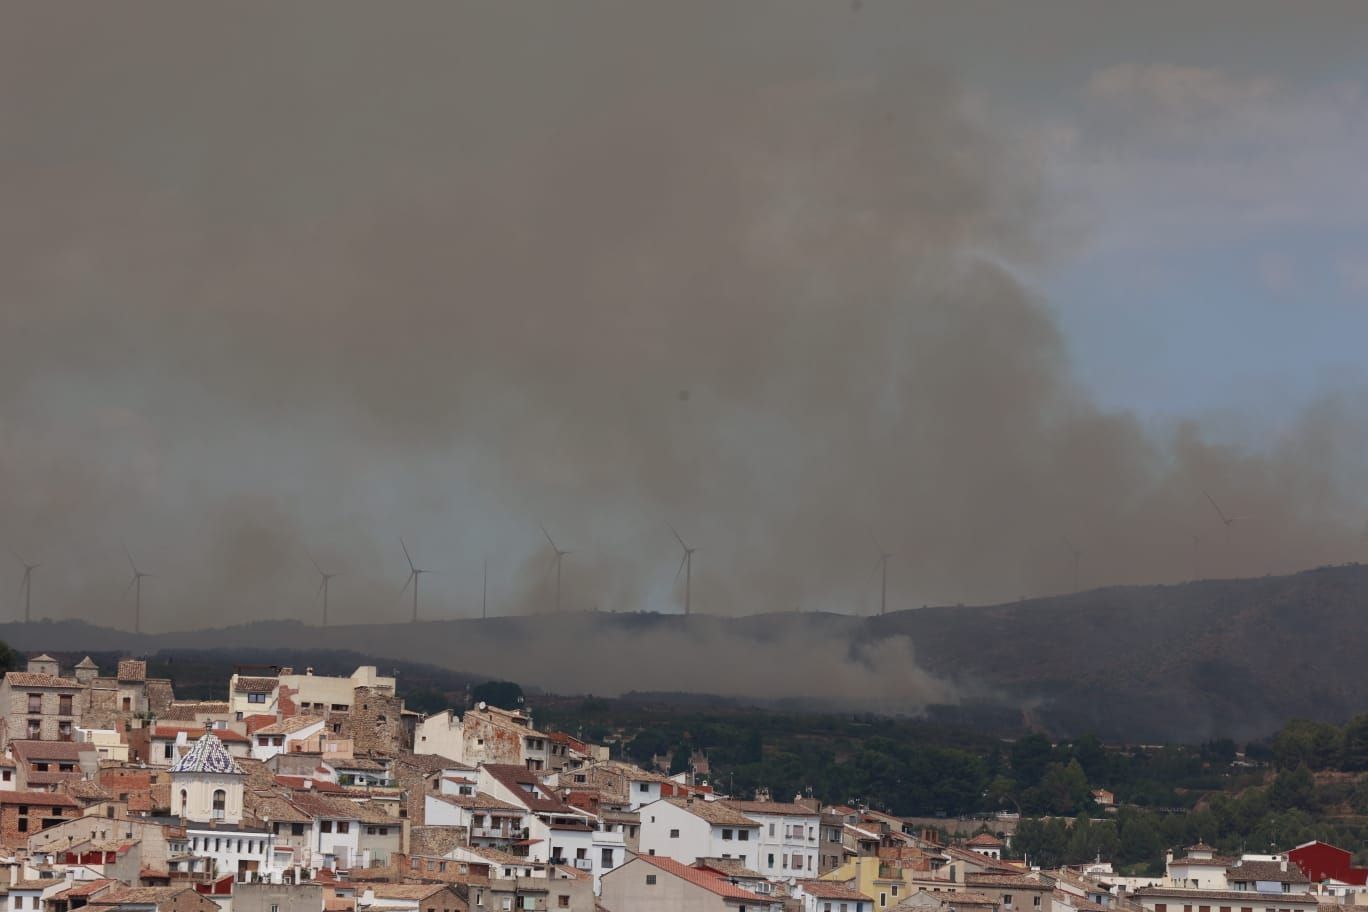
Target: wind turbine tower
(560,556)
(883,577)
(27,585)
(414,573)
(1077,556)
(322,588)
(685,567)
(136,585)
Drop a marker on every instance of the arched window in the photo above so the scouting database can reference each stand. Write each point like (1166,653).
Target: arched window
(185,800)
(220,802)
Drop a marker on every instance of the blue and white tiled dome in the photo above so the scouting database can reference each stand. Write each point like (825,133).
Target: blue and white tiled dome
(208,755)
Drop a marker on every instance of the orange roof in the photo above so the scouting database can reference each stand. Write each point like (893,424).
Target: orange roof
(708,880)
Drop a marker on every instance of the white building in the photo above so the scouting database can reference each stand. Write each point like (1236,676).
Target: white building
(789,833)
(687,829)
(285,736)
(831,896)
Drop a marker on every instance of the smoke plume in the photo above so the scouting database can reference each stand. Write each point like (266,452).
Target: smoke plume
(291,281)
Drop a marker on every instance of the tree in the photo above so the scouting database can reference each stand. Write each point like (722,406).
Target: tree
(1355,744)
(1030,756)
(1293,790)
(1064,788)
(9,659)
(503,694)
(681,761)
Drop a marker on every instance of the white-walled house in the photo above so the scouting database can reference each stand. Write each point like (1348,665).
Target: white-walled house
(789,833)
(687,829)
(207,793)
(282,737)
(831,896)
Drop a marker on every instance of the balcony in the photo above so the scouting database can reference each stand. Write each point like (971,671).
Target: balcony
(584,864)
(509,833)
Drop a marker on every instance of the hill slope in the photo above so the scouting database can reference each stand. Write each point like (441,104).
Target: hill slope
(1187,662)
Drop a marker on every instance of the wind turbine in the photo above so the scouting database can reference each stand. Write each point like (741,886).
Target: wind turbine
(484,591)
(322,587)
(136,585)
(26,584)
(685,567)
(1077,556)
(560,556)
(414,573)
(883,574)
(1196,557)
(1228,520)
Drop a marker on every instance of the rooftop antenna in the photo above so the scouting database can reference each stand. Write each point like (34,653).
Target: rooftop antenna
(322,587)
(136,585)
(414,573)
(883,568)
(560,556)
(685,567)
(26,584)
(1077,556)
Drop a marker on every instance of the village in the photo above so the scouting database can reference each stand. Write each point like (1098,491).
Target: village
(302,792)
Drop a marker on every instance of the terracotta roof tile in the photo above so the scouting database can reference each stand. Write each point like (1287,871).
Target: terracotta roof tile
(713,883)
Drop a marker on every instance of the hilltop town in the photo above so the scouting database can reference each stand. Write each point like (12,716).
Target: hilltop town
(306,792)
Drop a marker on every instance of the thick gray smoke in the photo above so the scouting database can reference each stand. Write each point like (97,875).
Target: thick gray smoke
(280,280)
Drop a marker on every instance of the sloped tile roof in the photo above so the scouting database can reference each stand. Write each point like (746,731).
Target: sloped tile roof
(208,755)
(708,880)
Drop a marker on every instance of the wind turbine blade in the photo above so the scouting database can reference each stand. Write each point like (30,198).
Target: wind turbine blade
(678,537)
(315,563)
(406,554)
(128,554)
(681,566)
(130,585)
(551,540)
(1216,506)
(410,579)
(321,583)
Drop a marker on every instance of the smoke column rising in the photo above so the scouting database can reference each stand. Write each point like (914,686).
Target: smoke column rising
(306,278)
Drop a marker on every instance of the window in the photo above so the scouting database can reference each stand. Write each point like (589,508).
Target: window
(674,834)
(64,705)
(743,835)
(563,901)
(35,703)
(1006,900)
(41,767)
(256,698)
(325,826)
(343,826)
(606,860)
(771,831)
(18,902)
(650,880)
(296,829)
(726,834)
(23,824)
(127,704)
(5,775)
(35,728)
(66,767)
(168,751)
(220,803)
(641,786)
(1035,901)
(770,862)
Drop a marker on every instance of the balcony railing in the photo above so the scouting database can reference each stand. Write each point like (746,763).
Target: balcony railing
(584,864)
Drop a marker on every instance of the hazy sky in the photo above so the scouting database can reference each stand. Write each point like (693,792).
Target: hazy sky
(974,280)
